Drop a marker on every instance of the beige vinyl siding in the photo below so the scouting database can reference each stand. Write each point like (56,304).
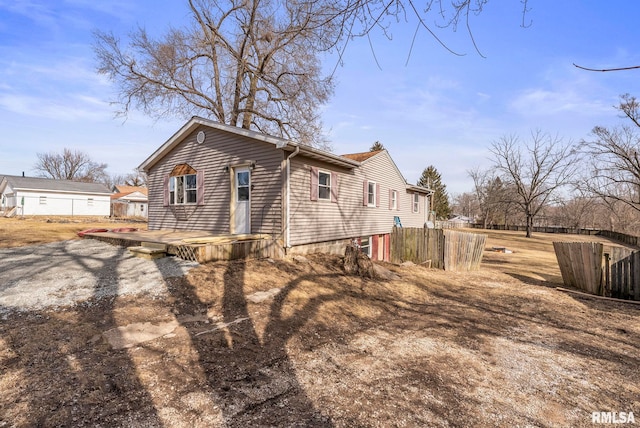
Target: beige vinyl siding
(219,150)
(320,221)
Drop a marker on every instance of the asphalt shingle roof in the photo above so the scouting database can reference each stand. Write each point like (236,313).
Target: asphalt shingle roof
(18,182)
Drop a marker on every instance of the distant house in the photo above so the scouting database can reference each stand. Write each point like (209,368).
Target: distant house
(44,196)
(129,201)
(457,221)
(228,180)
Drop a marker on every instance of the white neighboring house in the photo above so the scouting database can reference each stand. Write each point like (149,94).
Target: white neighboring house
(45,196)
(129,201)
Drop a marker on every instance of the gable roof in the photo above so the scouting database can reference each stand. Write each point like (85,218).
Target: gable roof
(49,184)
(279,143)
(361,157)
(130,189)
(130,196)
(347,161)
(365,156)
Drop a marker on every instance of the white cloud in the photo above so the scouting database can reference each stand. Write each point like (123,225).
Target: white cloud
(544,102)
(76,107)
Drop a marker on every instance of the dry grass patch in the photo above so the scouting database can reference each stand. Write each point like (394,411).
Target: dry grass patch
(532,260)
(21,231)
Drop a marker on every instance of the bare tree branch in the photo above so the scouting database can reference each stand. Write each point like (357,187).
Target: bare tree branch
(606,69)
(70,165)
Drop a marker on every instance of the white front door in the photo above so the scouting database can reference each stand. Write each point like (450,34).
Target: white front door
(242,203)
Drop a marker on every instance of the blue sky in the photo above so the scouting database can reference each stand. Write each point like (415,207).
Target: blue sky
(438,109)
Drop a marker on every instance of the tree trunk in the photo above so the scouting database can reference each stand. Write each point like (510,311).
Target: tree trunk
(351,260)
(358,263)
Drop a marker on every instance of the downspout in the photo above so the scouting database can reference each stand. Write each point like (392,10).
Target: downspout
(288,210)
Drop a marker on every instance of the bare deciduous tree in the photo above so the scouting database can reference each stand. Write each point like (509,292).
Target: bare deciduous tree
(536,170)
(135,178)
(493,196)
(360,17)
(255,63)
(465,204)
(70,165)
(615,159)
(247,63)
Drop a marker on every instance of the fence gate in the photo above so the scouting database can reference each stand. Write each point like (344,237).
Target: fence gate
(581,265)
(449,250)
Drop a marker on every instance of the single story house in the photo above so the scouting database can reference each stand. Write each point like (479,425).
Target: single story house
(129,201)
(228,180)
(44,196)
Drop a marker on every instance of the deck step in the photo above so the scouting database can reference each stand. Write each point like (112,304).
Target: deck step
(154,245)
(148,253)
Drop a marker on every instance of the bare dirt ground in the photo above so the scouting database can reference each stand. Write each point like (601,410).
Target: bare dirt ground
(298,343)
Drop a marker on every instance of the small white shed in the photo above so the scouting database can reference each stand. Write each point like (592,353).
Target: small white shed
(129,201)
(45,196)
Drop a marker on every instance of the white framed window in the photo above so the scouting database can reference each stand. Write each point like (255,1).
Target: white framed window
(324,185)
(416,203)
(183,189)
(90,202)
(365,245)
(43,200)
(393,199)
(371,194)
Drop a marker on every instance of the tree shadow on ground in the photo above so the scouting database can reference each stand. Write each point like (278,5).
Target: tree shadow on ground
(230,361)
(55,364)
(251,374)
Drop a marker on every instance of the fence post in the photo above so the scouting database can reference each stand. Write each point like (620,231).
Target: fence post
(607,275)
(635,278)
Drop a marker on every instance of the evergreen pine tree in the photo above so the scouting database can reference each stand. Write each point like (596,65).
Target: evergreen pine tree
(376,146)
(431,179)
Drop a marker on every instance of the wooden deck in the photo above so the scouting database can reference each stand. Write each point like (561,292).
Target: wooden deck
(198,246)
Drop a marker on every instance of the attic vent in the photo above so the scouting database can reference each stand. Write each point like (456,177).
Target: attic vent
(200,137)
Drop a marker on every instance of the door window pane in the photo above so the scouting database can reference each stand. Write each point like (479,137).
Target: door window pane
(243,193)
(242,178)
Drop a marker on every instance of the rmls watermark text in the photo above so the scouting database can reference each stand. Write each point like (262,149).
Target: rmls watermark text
(612,418)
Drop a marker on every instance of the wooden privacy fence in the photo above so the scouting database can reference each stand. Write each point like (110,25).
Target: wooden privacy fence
(463,251)
(623,278)
(583,267)
(417,245)
(449,250)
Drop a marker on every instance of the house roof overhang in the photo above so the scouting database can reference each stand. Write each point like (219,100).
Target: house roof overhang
(323,156)
(419,189)
(279,143)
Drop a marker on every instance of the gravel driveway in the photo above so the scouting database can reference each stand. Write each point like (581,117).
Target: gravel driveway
(68,272)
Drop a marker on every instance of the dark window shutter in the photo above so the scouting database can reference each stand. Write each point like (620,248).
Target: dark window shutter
(314,184)
(165,191)
(365,193)
(200,187)
(334,187)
